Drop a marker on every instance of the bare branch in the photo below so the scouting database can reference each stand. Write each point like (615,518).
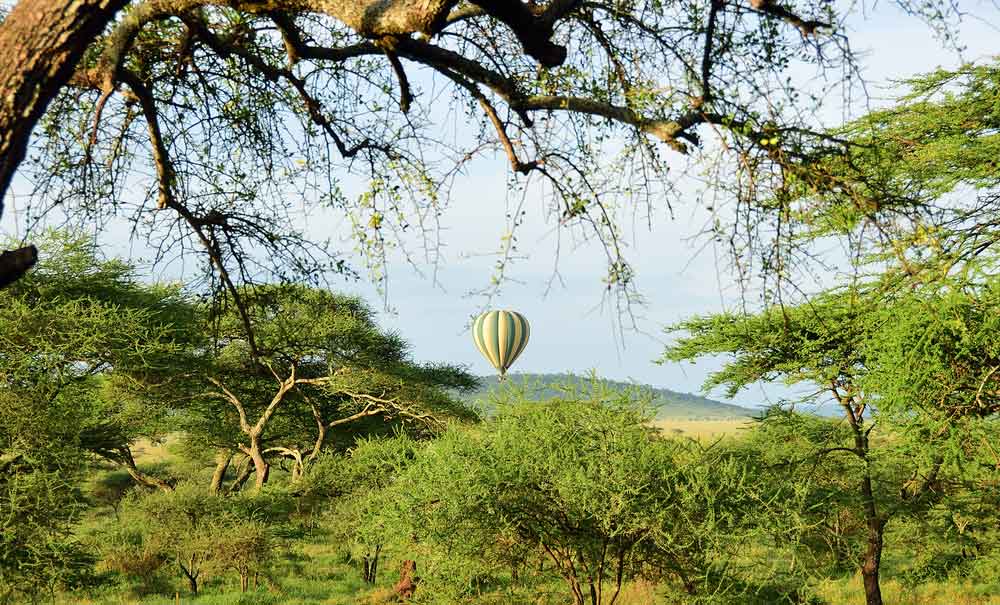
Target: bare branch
(290,35)
(516,164)
(405,96)
(227,395)
(274,74)
(161,158)
(369,410)
(285,386)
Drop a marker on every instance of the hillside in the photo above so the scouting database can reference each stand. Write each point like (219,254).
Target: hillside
(669,404)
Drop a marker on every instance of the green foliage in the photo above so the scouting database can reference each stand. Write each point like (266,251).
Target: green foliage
(245,547)
(820,342)
(915,184)
(581,483)
(80,339)
(938,350)
(38,553)
(198,534)
(110,488)
(814,462)
(355,490)
(911,371)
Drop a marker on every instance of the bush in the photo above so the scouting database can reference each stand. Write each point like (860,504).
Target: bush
(192,532)
(38,552)
(581,481)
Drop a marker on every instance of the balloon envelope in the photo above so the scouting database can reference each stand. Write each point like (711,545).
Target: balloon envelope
(500,336)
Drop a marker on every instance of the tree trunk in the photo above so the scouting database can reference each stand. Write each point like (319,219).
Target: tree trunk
(192,577)
(128,462)
(244,472)
(261,467)
(41,41)
(369,571)
(222,461)
(574,586)
(874,521)
(872,563)
(15,263)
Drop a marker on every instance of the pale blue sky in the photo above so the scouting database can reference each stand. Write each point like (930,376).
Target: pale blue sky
(571,329)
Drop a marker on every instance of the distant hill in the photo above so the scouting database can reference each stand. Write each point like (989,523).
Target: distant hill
(669,404)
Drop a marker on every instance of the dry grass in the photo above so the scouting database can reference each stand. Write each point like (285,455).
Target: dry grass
(639,592)
(148,452)
(702,429)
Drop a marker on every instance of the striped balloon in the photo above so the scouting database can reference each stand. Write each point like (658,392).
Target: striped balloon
(500,336)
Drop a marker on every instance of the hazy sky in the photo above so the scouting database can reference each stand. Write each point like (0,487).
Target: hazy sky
(571,330)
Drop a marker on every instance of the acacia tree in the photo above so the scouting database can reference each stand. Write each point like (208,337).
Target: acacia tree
(356,487)
(195,534)
(879,357)
(316,362)
(220,99)
(82,341)
(914,189)
(79,339)
(581,482)
(816,343)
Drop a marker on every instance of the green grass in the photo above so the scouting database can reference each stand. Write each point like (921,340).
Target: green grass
(311,572)
(848,591)
(317,570)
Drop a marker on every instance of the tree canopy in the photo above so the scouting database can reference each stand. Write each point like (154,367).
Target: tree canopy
(246,112)
(82,343)
(315,364)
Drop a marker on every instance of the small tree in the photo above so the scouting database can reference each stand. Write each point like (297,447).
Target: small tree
(201,534)
(244,547)
(357,485)
(581,481)
(182,526)
(890,456)
(38,503)
(110,488)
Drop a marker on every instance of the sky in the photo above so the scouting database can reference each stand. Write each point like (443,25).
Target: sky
(573,328)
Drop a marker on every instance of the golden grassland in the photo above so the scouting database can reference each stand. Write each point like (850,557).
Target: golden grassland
(145,451)
(702,429)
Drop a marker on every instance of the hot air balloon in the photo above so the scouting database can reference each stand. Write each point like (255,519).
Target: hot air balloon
(500,336)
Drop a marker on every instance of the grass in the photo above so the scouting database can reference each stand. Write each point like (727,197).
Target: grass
(317,571)
(702,429)
(147,452)
(848,591)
